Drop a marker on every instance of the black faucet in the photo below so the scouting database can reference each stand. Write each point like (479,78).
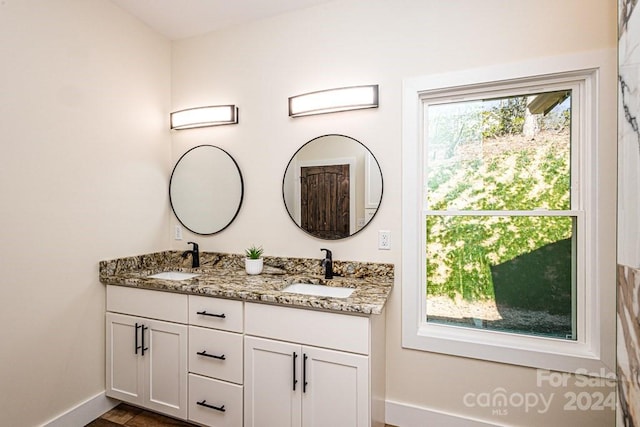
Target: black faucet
(195,255)
(327,263)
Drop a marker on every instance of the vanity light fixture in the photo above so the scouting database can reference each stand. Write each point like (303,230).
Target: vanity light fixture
(334,100)
(204,116)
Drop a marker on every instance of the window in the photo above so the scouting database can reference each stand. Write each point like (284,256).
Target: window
(501,216)
(501,231)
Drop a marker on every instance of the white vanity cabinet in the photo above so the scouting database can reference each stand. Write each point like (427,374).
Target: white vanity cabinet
(228,363)
(311,368)
(215,361)
(147,349)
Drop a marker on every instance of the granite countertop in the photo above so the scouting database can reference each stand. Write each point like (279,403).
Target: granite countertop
(223,276)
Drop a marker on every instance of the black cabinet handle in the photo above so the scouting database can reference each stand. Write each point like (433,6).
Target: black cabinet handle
(136,339)
(204,353)
(144,328)
(204,313)
(304,373)
(295,381)
(206,405)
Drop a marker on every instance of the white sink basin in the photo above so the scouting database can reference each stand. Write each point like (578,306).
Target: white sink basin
(319,290)
(173,275)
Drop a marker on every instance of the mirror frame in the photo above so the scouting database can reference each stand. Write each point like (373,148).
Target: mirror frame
(284,198)
(241,191)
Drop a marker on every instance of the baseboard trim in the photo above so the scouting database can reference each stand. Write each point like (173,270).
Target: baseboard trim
(85,412)
(397,414)
(406,415)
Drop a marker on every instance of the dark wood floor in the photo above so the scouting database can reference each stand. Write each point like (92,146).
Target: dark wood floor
(130,416)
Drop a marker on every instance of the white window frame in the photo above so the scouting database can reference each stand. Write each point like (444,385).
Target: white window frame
(593,351)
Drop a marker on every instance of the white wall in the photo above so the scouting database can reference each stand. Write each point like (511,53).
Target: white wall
(352,42)
(84,164)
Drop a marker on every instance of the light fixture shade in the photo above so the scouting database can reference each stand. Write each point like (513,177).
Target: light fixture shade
(334,100)
(204,116)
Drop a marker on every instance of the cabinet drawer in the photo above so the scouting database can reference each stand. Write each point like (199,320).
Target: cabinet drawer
(148,303)
(223,354)
(317,328)
(215,313)
(226,397)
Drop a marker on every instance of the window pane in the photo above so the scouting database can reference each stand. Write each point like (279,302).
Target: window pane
(499,154)
(502,273)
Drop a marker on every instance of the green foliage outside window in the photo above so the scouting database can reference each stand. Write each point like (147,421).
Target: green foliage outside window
(481,160)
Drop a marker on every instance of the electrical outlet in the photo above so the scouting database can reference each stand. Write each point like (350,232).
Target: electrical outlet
(384,239)
(178,234)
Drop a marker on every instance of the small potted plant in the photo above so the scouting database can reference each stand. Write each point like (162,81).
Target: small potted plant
(253,262)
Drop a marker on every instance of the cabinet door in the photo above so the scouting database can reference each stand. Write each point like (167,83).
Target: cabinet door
(125,377)
(166,367)
(337,389)
(270,397)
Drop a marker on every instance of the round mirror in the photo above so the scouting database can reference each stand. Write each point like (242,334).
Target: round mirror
(332,187)
(206,189)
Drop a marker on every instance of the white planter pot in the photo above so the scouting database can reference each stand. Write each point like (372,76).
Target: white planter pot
(253,266)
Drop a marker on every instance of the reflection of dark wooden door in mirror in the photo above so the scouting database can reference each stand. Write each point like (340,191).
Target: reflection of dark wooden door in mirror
(324,193)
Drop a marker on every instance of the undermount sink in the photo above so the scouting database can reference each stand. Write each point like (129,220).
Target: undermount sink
(319,290)
(173,275)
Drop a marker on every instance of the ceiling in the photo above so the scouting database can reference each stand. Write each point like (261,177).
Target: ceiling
(178,19)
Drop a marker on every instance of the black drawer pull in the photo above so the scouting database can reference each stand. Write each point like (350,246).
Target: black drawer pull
(204,353)
(204,313)
(206,405)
